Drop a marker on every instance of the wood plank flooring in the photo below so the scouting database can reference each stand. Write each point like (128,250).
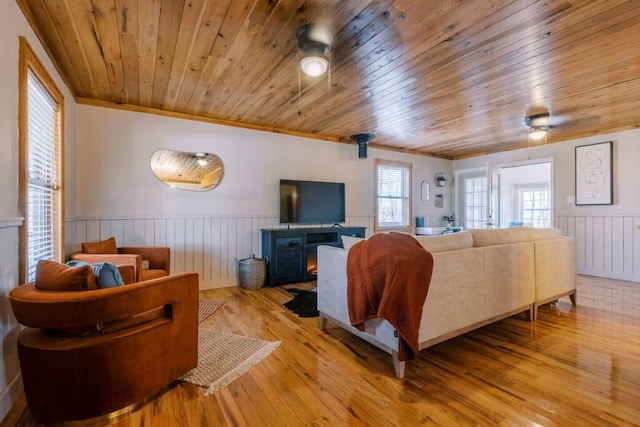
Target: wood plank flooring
(574,366)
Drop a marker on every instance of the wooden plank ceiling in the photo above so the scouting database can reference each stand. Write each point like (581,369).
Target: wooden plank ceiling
(449,78)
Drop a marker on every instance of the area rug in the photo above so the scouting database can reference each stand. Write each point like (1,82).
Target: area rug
(304,303)
(206,307)
(223,357)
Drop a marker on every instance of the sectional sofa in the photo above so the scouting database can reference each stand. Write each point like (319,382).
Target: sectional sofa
(479,277)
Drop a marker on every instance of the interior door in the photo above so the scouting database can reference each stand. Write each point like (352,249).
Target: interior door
(472,196)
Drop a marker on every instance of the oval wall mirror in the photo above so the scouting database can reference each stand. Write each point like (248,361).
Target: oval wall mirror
(187,171)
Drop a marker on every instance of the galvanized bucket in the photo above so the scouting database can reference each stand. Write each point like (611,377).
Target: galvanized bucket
(252,272)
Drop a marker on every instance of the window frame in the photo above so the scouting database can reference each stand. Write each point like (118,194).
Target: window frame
(520,189)
(407,199)
(28,61)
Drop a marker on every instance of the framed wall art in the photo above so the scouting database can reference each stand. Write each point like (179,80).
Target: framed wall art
(594,174)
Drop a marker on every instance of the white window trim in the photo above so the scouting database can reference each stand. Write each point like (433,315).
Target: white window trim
(408,200)
(28,61)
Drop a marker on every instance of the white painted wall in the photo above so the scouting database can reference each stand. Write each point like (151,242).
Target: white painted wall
(118,194)
(12,25)
(626,161)
(115,178)
(608,236)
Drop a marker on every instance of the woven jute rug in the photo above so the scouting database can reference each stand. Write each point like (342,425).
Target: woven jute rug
(223,357)
(206,307)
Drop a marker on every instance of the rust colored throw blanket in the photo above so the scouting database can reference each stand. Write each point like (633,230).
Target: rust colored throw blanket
(388,276)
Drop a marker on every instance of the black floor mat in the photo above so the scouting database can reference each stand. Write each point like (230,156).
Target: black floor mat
(304,303)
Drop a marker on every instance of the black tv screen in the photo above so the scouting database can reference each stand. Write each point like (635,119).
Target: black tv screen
(311,202)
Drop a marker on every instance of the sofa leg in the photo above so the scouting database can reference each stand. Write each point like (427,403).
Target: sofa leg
(573,298)
(533,312)
(322,322)
(398,366)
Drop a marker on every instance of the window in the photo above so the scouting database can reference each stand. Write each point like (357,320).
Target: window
(534,205)
(393,195)
(40,138)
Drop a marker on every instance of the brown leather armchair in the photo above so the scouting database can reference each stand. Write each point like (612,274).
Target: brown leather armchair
(92,352)
(158,257)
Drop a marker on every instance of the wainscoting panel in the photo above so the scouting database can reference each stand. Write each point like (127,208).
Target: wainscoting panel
(10,384)
(607,246)
(209,246)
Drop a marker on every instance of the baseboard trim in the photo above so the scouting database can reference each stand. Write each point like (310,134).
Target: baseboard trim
(9,395)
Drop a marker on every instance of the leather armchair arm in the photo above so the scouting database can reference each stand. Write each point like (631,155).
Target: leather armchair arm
(159,256)
(177,294)
(118,259)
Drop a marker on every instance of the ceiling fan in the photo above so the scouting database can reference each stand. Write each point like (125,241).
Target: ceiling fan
(539,123)
(314,40)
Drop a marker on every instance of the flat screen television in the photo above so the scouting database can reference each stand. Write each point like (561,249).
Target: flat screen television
(311,202)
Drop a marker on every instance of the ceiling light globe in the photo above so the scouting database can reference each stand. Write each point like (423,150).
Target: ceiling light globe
(537,133)
(314,66)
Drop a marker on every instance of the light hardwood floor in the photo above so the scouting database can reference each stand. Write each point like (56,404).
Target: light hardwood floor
(574,366)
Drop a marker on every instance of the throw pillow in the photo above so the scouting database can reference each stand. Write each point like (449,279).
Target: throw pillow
(106,273)
(54,276)
(348,241)
(107,246)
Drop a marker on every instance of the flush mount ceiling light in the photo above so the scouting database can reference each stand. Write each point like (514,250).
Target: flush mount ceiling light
(314,40)
(537,133)
(314,65)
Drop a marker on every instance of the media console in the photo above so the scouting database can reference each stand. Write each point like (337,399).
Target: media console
(292,254)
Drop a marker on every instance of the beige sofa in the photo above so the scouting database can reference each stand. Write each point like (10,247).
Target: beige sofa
(479,277)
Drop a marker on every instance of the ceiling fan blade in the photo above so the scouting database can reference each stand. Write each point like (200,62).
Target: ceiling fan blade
(556,121)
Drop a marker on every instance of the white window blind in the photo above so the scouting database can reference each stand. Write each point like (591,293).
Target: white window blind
(43,168)
(393,195)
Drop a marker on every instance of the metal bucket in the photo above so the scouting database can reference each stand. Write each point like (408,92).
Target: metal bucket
(252,272)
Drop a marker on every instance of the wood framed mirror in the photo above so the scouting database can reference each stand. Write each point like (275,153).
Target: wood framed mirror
(187,171)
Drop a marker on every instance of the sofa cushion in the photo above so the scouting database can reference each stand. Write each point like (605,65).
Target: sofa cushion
(153,273)
(543,233)
(446,242)
(107,246)
(128,273)
(106,273)
(348,241)
(500,236)
(54,276)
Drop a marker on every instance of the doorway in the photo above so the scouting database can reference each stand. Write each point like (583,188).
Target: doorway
(506,195)
(524,194)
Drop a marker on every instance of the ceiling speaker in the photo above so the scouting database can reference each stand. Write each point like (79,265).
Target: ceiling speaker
(362,139)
